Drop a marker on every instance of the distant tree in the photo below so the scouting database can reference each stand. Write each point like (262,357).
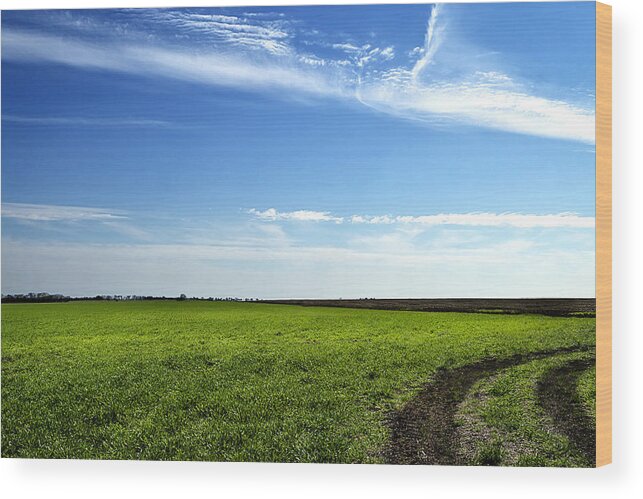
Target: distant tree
(182,297)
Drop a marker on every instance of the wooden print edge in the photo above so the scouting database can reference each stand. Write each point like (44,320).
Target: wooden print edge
(603,234)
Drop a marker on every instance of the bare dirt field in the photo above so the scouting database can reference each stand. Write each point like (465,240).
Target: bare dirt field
(560,307)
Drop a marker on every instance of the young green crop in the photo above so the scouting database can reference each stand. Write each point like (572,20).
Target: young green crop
(234,381)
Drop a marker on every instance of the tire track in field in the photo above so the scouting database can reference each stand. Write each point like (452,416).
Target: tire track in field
(557,394)
(424,431)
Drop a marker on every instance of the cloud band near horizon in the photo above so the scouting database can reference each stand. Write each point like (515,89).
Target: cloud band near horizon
(472,219)
(54,213)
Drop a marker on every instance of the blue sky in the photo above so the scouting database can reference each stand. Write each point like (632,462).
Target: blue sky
(386,151)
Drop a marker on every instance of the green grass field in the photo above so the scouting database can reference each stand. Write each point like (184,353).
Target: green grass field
(215,381)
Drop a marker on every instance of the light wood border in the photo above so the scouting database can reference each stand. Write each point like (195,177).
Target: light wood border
(603,234)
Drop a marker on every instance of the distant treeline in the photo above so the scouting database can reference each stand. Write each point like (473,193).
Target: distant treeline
(56,298)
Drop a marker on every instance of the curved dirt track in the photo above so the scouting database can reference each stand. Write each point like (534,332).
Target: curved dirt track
(424,430)
(557,395)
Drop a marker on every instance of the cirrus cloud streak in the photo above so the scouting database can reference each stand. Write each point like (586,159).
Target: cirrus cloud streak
(55,213)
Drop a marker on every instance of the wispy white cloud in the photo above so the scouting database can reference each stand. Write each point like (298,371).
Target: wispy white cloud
(264,52)
(489,220)
(273,215)
(484,97)
(80,121)
(479,102)
(416,52)
(517,220)
(211,68)
(253,32)
(348,47)
(432,41)
(54,213)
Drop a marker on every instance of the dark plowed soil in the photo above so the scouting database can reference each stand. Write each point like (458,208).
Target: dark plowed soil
(546,306)
(557,394)
(424,430)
